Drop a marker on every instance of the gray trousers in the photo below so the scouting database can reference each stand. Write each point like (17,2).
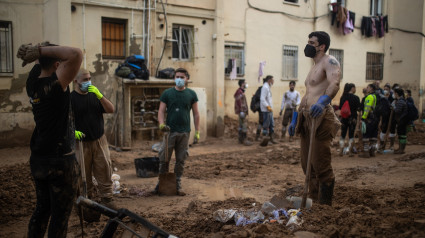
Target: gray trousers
(177,141)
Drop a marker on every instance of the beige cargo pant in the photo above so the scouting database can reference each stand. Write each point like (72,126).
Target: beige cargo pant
(98,164)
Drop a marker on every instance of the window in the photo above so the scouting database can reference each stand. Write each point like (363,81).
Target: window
(375,7)
(113,38)
(182,42)
(341,3)
(234,51)
(339,55)
(292,1)
(6,56)
(290,62)
(374,66)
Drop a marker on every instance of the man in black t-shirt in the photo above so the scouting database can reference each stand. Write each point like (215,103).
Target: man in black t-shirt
(89,105)
(53,163)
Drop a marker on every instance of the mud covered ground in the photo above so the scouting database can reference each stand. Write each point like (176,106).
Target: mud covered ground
(382,196)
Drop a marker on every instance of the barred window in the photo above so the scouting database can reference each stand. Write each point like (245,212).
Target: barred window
(374,66)
(6,56)
(376,7)
(113,38)
(290,62)
(183,42)
(234,51)
(339,55)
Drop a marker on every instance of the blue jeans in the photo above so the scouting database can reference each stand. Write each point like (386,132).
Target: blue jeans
(268,123)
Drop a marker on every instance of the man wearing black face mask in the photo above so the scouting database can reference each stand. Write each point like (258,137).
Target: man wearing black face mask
(322,84)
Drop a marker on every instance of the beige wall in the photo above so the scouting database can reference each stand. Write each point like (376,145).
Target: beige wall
(263,34)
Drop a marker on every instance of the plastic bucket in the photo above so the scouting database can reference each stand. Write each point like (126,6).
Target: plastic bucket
(147,167)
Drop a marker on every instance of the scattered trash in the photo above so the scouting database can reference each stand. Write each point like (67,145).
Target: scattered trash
(294,221)
(296,202)
(243,218)
(115,169)
(156,146)
(116,188)
(224,215)
(268,208)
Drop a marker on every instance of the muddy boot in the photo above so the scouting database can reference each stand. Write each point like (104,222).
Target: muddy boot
(109,202)
(291,138)
(392,140)
(179,187)
(401,145)
(313,189)
(283,135)
(326,192)
(272,140)
(246,142)
(372,147)
(341,147)
(265,140)
(257,135)
(350,147)
(365,153)
(240,137)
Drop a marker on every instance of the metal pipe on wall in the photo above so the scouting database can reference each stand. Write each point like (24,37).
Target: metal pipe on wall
(148,45)
(84,36)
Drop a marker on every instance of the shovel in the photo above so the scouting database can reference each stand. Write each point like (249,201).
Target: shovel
(302,202)
(87,214)
(167,181)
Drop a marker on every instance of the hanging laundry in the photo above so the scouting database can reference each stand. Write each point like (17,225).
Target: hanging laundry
(348,25)
(229,66)
(353,19)
(233,74)
(261,70)
(341,16)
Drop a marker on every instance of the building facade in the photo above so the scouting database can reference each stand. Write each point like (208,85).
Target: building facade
(203,36)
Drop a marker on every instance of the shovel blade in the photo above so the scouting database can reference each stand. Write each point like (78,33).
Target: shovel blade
(167,184)
(296,202)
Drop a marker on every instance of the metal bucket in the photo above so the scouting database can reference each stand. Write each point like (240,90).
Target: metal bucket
(147,167)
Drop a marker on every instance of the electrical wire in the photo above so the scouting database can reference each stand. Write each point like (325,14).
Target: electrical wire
(407,31)
(285,13)
(165,40)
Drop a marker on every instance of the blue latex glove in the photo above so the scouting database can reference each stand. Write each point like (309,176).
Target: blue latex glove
(317,109)
(291,128)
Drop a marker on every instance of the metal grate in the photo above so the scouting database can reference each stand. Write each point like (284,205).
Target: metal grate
(290,62)
(339,55)
(237,53)
(374,66)
(375,7)
(113,38)
(183,44)
(6,56)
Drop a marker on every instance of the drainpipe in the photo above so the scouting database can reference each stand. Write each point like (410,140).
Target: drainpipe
(314,15)
(149,24)
(84,36)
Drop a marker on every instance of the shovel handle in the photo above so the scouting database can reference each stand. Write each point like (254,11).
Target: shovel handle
(308,172)
(82,167)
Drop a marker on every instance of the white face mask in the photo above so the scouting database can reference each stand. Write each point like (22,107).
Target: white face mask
(246,85)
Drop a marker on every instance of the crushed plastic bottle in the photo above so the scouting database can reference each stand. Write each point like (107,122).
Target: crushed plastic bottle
(268,208)
(116,187)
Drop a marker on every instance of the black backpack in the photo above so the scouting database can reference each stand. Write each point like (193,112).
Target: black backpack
(137,65)
(255,100)
(383,106)
(412,111)
(167,73)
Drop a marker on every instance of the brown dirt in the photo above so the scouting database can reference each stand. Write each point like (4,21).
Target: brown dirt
(376,197)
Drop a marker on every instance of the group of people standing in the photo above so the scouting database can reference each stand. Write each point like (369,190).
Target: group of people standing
(381,112)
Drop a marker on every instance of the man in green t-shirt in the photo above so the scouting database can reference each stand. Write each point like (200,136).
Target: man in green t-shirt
(177,101)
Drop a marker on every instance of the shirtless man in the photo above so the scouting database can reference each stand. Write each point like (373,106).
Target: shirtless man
(322,84)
